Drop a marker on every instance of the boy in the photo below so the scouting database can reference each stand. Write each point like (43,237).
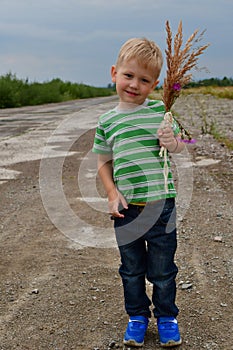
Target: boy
(128,139)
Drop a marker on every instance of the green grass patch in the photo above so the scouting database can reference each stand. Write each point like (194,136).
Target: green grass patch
(221,138)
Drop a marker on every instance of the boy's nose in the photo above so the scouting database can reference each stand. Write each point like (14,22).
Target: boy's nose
(134,83)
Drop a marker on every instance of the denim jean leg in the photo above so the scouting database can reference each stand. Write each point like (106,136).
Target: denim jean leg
(149,251)
(162,270)
(133,271)
(132,247)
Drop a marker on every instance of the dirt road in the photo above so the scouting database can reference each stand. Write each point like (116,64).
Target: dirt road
(59,286)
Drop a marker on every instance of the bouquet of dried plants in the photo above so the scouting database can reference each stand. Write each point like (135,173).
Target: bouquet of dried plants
(179,63)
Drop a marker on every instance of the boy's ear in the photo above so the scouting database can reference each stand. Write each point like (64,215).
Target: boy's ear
(113,73)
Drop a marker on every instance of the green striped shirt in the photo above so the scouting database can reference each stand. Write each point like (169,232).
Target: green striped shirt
(131,138)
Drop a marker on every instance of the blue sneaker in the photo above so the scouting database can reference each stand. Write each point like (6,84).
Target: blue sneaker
(168,330)
(135,331)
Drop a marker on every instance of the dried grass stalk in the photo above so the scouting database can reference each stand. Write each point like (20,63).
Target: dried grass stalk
(179,63)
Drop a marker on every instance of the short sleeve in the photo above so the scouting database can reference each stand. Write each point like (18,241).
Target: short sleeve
(100,144)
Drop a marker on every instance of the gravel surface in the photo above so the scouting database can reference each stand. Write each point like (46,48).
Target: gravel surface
(58,295)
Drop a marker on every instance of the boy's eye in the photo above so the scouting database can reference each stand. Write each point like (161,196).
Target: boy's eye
(145,80)
(128,75)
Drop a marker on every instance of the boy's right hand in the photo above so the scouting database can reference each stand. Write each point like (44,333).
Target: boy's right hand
(115,198)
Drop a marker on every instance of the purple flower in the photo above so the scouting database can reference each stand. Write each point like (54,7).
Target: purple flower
(188,141)
(176,87)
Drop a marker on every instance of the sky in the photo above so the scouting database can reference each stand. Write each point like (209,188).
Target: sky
(78,40)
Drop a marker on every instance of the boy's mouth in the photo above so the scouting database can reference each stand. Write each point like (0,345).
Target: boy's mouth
(130,93)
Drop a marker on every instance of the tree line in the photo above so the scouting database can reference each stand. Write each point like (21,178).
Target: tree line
(212,82)
(16,92)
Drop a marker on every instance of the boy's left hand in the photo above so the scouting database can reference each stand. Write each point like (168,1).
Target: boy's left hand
(166,137)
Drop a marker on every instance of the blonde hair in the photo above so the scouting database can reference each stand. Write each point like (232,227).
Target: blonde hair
(145,51)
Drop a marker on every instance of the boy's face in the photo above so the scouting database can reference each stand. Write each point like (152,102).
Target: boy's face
(133,82)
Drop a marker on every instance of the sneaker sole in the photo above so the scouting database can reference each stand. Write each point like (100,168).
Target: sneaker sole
(132,342)
(171,343)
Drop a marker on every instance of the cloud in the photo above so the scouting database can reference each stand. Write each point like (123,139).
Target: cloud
(79,39)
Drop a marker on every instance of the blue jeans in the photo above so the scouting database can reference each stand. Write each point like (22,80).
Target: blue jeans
(147,243)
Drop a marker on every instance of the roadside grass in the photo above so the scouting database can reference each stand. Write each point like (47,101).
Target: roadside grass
(221,138)
(210,127)
(208,124)
(217,91)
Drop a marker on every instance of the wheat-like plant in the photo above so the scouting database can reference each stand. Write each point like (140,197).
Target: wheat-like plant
(179,63)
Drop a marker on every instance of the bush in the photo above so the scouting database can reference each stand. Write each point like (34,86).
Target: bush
(18,93)
(10,88)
